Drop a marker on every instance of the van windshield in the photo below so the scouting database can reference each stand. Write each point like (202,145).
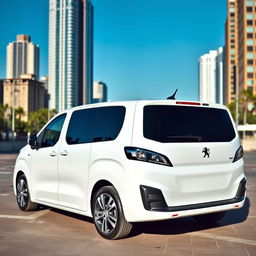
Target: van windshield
(187,124)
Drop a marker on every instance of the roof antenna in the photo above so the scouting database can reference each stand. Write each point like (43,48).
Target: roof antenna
(173,96)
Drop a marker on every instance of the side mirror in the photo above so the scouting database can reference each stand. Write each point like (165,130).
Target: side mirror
(32,141)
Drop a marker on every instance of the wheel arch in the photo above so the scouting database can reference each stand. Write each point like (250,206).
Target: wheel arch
(98,185)
(21,167)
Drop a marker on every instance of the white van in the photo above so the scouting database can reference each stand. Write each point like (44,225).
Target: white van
(135,161)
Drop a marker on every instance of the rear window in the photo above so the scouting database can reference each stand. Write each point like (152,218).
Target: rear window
(95,124)
(187,124)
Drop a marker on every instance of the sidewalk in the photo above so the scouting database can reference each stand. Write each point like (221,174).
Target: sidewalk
(249,144)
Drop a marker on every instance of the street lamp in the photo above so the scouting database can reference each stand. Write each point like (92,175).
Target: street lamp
(13,106)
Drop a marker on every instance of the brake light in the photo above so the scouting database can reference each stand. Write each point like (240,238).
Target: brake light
(145,155)
(239,154)
(188,103)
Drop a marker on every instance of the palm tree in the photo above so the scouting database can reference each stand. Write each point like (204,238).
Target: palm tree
(38,119)
(247,98)
(20,125)
(3,109)
(20,112)
(3,117)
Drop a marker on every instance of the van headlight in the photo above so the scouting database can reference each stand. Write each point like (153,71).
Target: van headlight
(239,154)
(145,155)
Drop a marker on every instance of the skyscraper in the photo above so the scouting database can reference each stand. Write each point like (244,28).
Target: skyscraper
(99,92)
(22,58)
(240,50)
(211,77)
(1,91)
(70,53)
(231,51)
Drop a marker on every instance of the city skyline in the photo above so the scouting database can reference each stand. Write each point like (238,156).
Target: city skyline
(142,51)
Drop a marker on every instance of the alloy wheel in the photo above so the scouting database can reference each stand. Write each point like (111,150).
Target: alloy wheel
(22,193)
(105,213)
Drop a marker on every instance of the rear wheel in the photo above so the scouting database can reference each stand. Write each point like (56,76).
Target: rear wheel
(209,218)
(23,196)
(108,214)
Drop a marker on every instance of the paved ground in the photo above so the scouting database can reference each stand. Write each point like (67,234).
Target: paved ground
(53,232)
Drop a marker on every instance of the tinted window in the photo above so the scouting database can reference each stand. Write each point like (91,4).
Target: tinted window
(187,124)
(94,125)
(51,133)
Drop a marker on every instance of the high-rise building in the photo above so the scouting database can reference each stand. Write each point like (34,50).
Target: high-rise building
(25,92)
(247,43)
(44,81)
(22,58)
(240,50)
(231,52)
(211,77)
(99,92)
(88,17)
(1,91)
(70,53)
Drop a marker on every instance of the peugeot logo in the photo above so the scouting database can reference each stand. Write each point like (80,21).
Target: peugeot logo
(206,152)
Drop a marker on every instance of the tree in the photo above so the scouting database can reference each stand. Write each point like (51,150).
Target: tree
(3,111)
(232,109)
(20,125)
(247,107)
(247,99)
(38,119)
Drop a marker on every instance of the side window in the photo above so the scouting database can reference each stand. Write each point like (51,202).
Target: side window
(96,124)
(81,126)
(52,132)
(109,123)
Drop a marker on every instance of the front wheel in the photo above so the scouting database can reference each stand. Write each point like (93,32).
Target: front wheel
(108,214)
(23,196)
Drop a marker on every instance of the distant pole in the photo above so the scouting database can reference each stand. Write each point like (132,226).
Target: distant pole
(13,108)
(235,74)
(48,102)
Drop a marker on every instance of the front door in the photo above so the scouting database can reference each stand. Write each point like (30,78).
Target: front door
(44,159)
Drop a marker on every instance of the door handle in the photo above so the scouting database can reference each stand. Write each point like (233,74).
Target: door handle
(53,153)
(64,153)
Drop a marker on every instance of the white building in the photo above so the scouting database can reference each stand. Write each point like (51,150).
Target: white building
(22,58)
(211,77)
(70,53)
(99,92)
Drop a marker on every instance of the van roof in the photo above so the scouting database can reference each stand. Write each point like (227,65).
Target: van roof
(149,102)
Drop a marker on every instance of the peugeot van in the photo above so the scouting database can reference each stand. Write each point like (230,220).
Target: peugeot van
(127,162)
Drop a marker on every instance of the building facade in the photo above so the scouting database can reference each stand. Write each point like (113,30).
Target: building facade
(240,48)
(44,81)
(211,77)
(25,92)
(22,58)
(1,91)
(70,53)
(100,91)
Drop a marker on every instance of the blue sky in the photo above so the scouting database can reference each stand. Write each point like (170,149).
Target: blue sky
(143,49)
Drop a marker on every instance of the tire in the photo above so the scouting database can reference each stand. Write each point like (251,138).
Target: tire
(209,218)
(23,196)
(108,214)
